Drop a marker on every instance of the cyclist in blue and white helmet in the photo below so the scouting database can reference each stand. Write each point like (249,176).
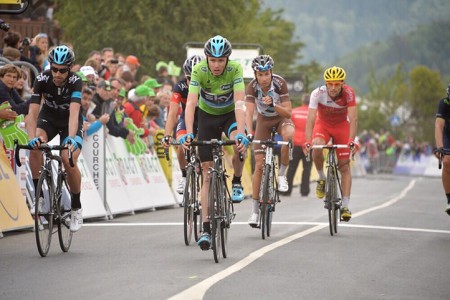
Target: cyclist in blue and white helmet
(217,46)
(61,55)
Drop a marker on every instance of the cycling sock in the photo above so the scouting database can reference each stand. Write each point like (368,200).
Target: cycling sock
(183,173)
(207,227)
(448,198)
(76,203)
(255,206)
(321,175)
(236,179)
(35,183)
(282,171)
(345,201)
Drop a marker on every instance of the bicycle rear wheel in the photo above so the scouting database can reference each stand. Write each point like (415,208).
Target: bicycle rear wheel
(63,216)
(43,213)
(188,200)
(214,215)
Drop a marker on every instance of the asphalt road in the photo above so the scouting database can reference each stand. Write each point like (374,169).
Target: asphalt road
(395,247)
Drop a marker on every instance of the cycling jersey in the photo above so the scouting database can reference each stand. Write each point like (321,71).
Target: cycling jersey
(332,111)
(278,91)
(216,92)
(56,106)
(444,113)
(180,92)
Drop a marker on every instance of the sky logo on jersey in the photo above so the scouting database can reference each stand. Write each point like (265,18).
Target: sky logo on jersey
(74,78)
(42,77)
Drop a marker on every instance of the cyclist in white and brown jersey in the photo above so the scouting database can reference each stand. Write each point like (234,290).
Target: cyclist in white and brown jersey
(268,92)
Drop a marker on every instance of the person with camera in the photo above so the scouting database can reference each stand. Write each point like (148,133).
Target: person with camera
(442,139)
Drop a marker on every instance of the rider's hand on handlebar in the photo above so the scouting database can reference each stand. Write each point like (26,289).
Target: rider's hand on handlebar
(71,142)
(354,146)
(35,142)
(186,140)
(250,137)
(242,142)
(438,152)
(306,147)
(165,141)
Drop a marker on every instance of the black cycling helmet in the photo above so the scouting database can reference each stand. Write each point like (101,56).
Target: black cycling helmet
(189,64)
(61,55)
(262,63)
(217,46)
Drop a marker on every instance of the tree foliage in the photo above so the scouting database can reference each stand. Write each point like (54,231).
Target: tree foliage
(157,30)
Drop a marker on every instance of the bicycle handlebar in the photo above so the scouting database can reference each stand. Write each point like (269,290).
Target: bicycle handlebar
(337,146)
(43,147)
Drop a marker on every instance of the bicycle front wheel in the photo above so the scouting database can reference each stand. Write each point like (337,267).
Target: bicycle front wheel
(189,200)
(197,208)
(225,218)
(63,215)
(331,190)
(214,216)
(43,213)
(266,190)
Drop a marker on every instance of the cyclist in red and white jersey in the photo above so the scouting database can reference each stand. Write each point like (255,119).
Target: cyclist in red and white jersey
(332,113)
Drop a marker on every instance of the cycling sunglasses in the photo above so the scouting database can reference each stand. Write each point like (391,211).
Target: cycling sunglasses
(267,67)
(62,71)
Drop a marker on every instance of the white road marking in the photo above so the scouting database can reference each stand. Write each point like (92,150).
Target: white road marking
(198,291)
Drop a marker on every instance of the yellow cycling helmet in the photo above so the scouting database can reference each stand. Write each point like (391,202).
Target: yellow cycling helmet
(334,73)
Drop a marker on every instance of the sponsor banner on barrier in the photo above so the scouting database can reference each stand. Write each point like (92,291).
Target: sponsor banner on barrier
(142,194)
(105,175)
(90,198)
(412,165)
(158,189)
(14,213)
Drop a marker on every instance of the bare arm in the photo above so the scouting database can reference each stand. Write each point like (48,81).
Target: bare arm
(31,125)
(439,132)
(171,118)
(73,118)
(240,113)
(191,103)
(353,117)
(249,117)
(312,112)
(284,109)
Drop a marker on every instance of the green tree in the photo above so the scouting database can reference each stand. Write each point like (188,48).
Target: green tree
(157,30)
(426,88)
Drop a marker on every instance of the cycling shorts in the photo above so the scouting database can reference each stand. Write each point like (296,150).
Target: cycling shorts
(264,127)
(340,133)
(52,129)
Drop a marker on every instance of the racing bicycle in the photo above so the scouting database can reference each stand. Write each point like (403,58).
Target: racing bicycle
(51,214)
(268,193)
(333,188)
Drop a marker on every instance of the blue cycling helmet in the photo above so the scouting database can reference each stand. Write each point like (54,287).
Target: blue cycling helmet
(262,63)
(61,55)
(218,46)
(190,62)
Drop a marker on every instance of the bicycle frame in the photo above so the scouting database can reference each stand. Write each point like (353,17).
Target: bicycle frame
(333,188)
(269,195)
(220,210)
(49,193)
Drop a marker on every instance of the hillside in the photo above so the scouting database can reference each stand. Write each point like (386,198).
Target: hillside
(333,28)
(429,45)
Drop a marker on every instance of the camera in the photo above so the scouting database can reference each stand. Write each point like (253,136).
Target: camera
(4,26)
(26,42)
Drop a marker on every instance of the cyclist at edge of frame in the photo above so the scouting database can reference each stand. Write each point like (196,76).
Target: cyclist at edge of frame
(179,97)
(217,85)
(332,114)
(60,89)
(442,139)
(269,93)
